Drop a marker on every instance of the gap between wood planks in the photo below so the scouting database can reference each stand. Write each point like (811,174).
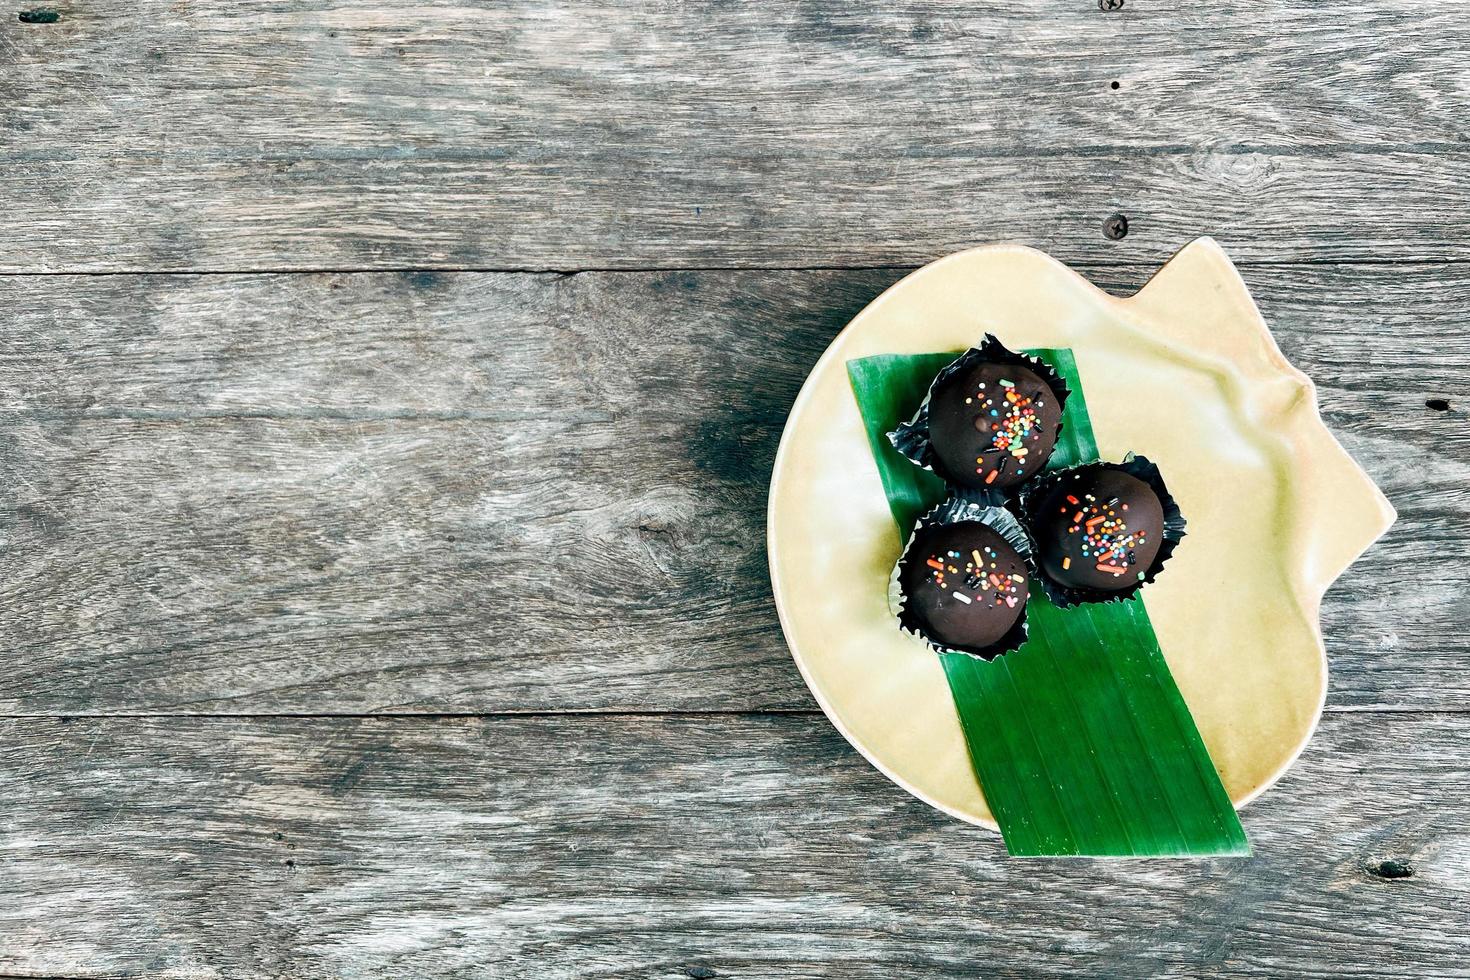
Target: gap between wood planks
(431,716)
(636,269)
(380,153)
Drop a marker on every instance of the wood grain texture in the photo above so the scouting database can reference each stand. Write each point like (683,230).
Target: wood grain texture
(637,847)
(345,494)
(214,135)
(476,492)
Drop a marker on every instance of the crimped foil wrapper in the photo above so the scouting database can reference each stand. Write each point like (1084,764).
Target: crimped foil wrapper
(911,438)
(1036,489)
(956,508)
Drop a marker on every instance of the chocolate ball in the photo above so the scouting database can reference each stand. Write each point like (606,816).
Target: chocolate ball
(993,425)
(1098,528)
(964,584)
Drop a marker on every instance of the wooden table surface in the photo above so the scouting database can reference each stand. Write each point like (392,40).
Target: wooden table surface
(388,395)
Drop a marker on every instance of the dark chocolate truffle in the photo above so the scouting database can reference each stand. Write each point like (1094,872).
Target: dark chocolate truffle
(1098,528)
(964,584)
(993,425)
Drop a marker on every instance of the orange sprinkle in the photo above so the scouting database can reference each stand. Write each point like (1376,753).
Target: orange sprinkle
(1066,562)
(995,580)
(1077,517)
(1096,520)
(934,564)
(1115,569)
(992,476)
(1073,499)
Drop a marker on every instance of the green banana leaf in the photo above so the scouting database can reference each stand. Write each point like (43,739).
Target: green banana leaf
(1080,739)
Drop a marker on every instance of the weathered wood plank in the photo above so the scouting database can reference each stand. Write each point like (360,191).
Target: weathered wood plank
(470,492)
(638,847)
(214,135)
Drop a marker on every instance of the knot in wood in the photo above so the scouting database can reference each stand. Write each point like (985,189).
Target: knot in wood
(1391,869)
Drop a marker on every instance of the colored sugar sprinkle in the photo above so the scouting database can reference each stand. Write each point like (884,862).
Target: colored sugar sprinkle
(977,576)
(1016,422)
(1105,536)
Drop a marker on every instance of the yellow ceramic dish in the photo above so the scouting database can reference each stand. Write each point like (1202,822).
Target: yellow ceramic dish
(1185,373)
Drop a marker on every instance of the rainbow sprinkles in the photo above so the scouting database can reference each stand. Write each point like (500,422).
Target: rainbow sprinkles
(1105,535)
(979,576)
(1009,431)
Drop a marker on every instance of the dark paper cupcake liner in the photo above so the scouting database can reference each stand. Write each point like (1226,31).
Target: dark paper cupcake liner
(1035,490)
(911,438)
(955,509)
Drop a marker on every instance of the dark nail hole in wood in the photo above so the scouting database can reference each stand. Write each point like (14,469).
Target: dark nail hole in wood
(1115,227)
(38,16)
(1391,869)
(1438,404)
(1109,4)
(700,972)
(291,864)
(1115,86)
